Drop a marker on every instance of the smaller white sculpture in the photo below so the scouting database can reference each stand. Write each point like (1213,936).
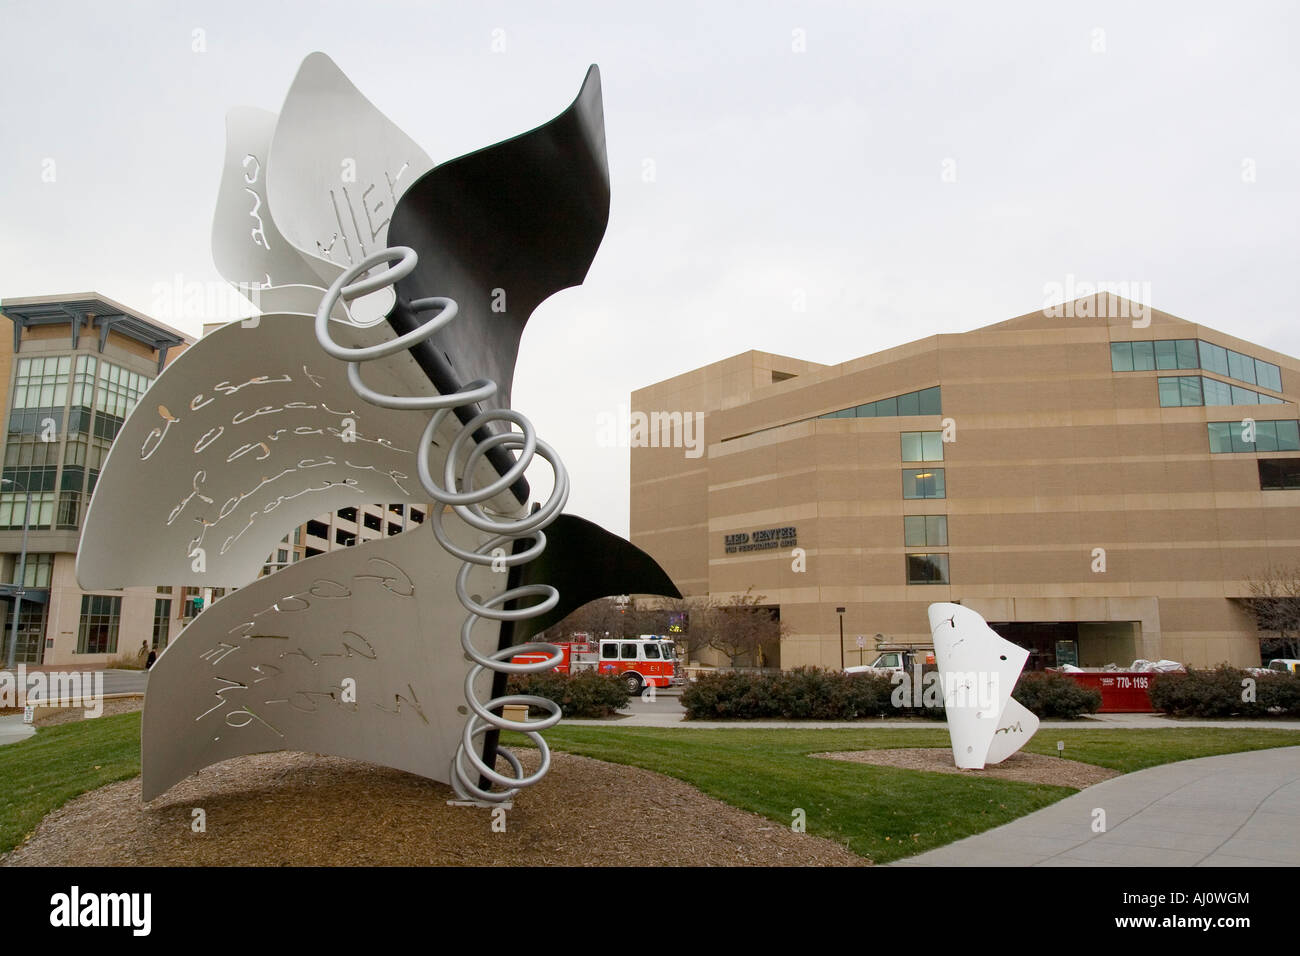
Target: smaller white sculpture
(978,671)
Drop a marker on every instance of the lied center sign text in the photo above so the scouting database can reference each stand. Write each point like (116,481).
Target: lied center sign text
(764,540)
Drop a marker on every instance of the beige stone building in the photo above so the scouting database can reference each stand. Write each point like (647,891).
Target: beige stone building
(1099,480)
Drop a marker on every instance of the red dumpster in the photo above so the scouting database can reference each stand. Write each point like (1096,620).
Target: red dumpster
(1122,692)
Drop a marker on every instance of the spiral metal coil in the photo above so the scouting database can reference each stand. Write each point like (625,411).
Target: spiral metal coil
(467,768)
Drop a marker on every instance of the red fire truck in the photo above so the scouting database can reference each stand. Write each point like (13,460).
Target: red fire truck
(643,661)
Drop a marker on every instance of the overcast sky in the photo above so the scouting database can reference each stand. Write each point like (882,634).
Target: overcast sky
(798,150)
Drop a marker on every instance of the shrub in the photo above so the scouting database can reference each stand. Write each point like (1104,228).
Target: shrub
(1055,696)
(803,693)
(1279,694)
(1219,692)
(127,662)
(586,694)
(1202,693)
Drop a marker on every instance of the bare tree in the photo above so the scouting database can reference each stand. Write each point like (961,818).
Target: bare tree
(617,617)
(1275,603)
(694,635)
(739,627)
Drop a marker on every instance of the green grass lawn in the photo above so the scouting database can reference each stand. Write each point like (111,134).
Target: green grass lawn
(882,813)
(46,771)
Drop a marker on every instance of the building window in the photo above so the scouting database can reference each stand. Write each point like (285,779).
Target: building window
(926,401)
(1198,390)
(372,521)
(1279,474)
(69,514)
(1268,375)
(1132,356)
(1193,353)
(348,514)
(923,483)
(1214,358)
(162,612)
(100,615)
(41,384)
(31,454)
(1176,353)
(83,389)
(1250,436)
(31,633)
(925,531)
(119,390)
(13,507)
(37,571)
(318,529)
(1216,392)
(922,446)
(1178,391)
(191,602)
(927,569)
(1241,367)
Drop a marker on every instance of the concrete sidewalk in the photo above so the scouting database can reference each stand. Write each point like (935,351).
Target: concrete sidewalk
(1238,809)
(12,729)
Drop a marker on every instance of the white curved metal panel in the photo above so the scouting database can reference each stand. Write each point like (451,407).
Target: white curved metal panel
(267,667)
(337,168)
(978,670)
(248,248)
(249,433)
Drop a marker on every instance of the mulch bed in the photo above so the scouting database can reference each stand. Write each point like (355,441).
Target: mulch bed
(50,716)
(296,809)
(1025,767)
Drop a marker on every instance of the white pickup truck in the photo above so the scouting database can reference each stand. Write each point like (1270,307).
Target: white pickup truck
(886,662)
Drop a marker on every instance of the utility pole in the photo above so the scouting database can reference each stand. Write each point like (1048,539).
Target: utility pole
(840,612)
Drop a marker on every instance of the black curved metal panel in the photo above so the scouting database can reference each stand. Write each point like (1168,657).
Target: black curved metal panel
(499,230)
(586,562)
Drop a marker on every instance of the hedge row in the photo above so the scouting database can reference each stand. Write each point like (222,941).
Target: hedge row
(1054,696)
(809,693)
(804,693)
(1226,692)
(586,694)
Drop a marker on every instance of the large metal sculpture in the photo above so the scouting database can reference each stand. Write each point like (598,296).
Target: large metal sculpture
(266,423)
(978,671)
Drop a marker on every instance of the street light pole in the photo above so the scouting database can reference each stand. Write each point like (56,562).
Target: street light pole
(840,612)
(22,572)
